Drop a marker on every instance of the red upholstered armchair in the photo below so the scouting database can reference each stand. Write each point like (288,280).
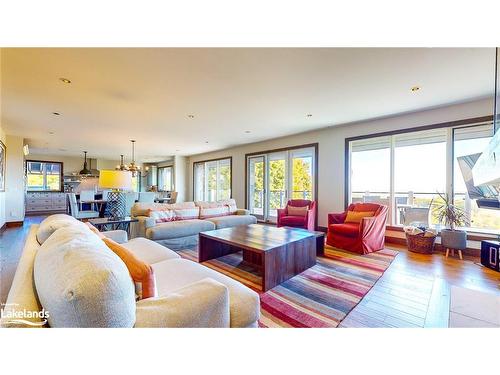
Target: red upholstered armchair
(364,237)
(307,222)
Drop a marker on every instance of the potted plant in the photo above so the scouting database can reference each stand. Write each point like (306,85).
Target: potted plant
(451,216)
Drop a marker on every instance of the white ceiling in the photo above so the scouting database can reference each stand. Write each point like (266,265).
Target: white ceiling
(147,94)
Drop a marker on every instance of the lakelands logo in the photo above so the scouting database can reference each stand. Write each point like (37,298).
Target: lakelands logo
(11,315)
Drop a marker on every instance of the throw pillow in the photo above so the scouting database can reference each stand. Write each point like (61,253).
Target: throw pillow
(142,273)
(206,213)
(231,203)
(357,216)
(162,216)
(187,213)
(297,211)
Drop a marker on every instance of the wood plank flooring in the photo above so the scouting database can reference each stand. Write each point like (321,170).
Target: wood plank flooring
(413,292)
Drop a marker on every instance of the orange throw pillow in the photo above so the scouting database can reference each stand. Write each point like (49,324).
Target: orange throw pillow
(297,211)
(357,216)
(141,272)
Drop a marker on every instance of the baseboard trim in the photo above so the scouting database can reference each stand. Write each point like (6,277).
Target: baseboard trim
(14,224)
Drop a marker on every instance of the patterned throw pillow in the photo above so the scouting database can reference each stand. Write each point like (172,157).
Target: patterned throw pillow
(163,216)
(230,203)
(357,216)
(187,213)
(206,213)
(297,211)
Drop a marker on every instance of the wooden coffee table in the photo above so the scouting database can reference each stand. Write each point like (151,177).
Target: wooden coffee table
(280,253)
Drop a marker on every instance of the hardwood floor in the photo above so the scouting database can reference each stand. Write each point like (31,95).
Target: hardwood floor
(11,247)
(413,292)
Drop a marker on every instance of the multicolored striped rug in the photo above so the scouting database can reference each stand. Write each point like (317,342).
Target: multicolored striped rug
(321,296)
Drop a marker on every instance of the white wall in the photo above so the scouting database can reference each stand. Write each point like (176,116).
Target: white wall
(2,194)
(181,175)
(331,150)
(14,179)
(2,138)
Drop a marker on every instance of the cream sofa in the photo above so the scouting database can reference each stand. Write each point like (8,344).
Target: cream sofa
(80,282)
(184,233)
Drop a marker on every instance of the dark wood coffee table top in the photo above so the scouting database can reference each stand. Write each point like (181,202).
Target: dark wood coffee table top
(257,236)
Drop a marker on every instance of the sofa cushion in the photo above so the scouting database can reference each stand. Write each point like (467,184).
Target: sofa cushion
(149,251)
(232,220)
(53,223)
(346,229)
(175,229)
(82,283)
(292,220)
(174,274)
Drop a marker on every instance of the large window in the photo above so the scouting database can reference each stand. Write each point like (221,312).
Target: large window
(43,175)
(406,171)
(275,177)
(212,180)
(468,143)
(165,178)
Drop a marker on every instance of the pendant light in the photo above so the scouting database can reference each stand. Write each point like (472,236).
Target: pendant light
(122,166)
(85,171)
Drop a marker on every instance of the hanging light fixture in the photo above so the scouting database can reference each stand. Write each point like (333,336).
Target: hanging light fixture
(122,166)
(85,171)
(132,167)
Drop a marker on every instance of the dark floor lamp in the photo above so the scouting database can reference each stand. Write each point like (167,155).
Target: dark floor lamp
(118,182)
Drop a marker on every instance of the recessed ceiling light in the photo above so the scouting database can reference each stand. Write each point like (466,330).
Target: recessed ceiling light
(309,115)
(247,131)
(206,141)
(56,113)
(64,80)
(51,133)
(177,150)
(191,116)
(415,88)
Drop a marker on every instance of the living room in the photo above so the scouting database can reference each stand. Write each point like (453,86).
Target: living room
(250,187)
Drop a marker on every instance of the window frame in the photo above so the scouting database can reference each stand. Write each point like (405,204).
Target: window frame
(315,170)
(204,162)
(449,126)
(61,176)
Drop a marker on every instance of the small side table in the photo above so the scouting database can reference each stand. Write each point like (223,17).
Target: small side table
(104,223)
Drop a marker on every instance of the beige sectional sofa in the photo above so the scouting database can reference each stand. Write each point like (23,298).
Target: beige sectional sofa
(181,231)
(68,272)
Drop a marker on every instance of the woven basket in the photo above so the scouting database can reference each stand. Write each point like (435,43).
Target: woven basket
(420,244)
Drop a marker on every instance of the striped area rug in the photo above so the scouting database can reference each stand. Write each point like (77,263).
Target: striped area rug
(321,296)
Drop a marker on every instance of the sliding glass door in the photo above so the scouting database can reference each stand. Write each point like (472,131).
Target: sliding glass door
(212,180)
(256,183)
(274,178)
